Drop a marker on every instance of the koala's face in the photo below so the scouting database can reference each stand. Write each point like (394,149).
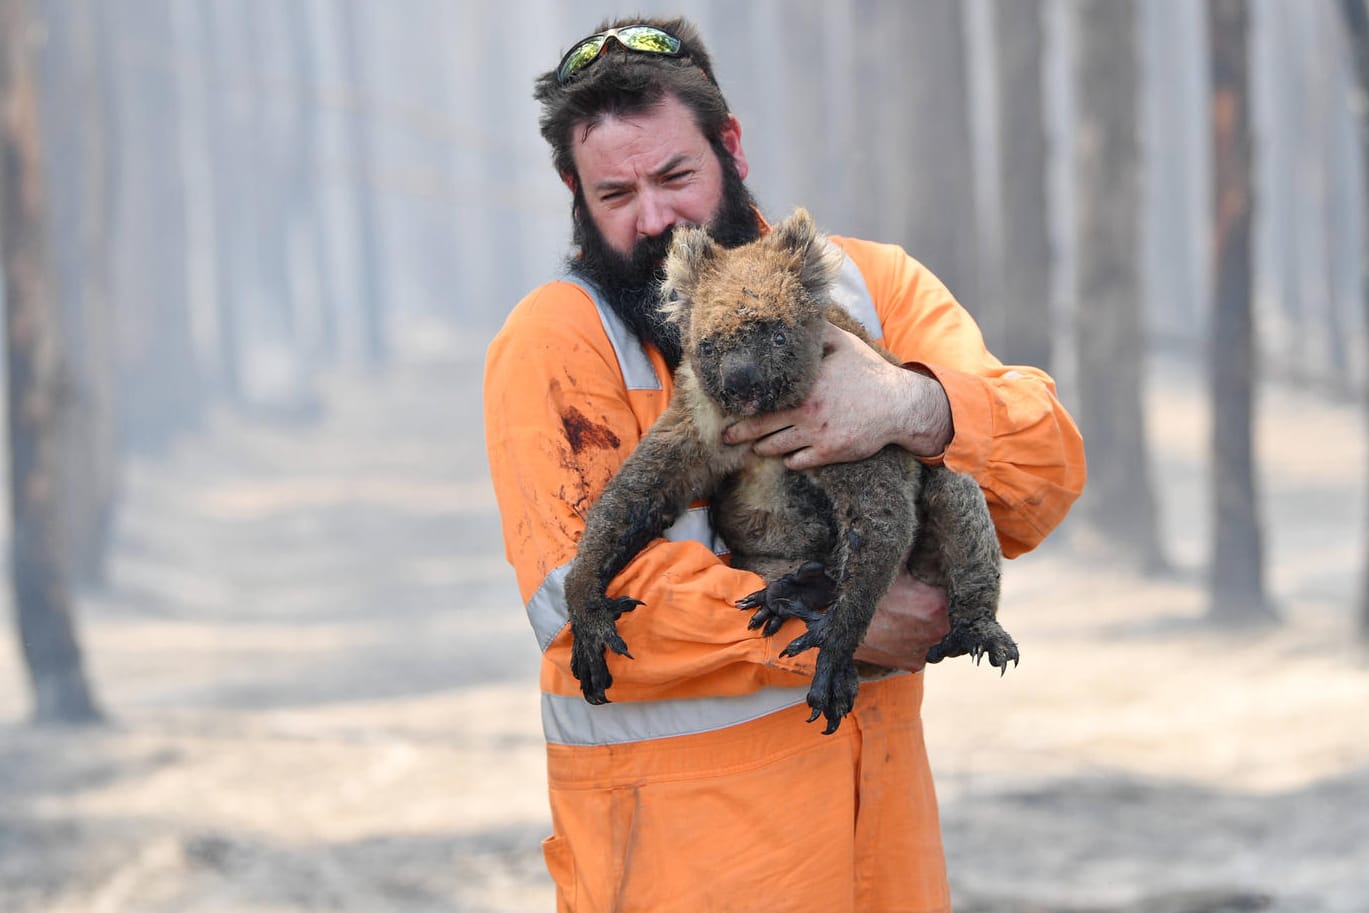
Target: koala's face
(752,316)
(757,367)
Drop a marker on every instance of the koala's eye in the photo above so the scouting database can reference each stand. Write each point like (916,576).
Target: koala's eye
(706,348)
(779,338)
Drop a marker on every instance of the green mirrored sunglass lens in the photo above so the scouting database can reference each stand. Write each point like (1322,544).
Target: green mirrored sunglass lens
(579,57)
(649,40)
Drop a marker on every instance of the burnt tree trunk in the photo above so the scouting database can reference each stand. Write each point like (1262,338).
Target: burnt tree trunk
(225,129)
(361,141)
(935,152)
(76,192)
(96,297)
(307,193)
(269,204)
(159,376)
(1024,284)
(1356,17)
(1236,576)
(1120,502)
(912,169)
(41,593)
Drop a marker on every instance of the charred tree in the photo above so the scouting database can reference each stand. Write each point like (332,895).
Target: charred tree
(159,376)
(42,599)
(96,308)
(1236,576)
(271,195)
(77,192)
(911,174)
(306,194)
(225,130)
(1024,283)
(361,140)
(934,154)
(1120,503)
(1356,17)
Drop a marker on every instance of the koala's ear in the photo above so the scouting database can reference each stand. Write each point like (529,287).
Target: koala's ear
(816,261)
(691,253)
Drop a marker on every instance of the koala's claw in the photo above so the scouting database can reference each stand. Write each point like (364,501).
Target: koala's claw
(833,692)
(815,636)
(592,634)
(803,594)
(978,639)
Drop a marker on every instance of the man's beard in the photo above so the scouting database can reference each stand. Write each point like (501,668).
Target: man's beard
(631,285)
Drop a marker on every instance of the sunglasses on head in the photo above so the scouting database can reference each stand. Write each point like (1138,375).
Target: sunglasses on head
(644,39)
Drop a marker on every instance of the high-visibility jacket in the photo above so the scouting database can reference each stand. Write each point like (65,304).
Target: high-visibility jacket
(700,787)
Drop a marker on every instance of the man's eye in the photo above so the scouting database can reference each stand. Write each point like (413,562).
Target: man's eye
(677,175)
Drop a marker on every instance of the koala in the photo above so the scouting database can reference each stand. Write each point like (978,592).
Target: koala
(829,541)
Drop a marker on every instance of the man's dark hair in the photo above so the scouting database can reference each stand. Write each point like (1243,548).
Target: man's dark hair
(623,83)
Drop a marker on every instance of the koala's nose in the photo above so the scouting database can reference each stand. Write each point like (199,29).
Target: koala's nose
(742,381)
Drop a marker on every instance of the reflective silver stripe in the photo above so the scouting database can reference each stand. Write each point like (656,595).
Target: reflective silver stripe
(638,372)
(695,527)
(572,721)
(547,609)
(851,292)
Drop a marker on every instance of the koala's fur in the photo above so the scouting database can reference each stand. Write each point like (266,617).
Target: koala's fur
(752,321)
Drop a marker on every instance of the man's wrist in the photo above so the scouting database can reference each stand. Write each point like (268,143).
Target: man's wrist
(926,427)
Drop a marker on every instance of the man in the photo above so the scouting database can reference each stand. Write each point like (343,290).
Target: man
(701,787)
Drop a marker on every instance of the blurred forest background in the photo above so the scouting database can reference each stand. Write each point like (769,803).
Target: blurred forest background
(253,252)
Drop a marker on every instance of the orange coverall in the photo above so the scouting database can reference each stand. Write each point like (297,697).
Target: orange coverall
(701,787)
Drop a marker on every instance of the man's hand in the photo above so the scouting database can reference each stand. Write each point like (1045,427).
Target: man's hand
(910,620)
(860,403)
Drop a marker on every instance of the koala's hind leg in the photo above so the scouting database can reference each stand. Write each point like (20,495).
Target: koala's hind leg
(958,549)
(875,525)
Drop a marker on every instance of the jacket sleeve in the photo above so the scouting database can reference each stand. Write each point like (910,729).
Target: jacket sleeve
(1011,432)
(558,423)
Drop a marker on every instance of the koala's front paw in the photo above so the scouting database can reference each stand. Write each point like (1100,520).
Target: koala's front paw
(802,594)
(985,637)
(833,692)
(593,633)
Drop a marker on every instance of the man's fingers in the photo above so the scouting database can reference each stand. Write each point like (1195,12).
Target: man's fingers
(776,444)
(783,440)
(751,429)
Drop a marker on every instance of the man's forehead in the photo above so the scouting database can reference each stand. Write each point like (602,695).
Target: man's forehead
(643,142)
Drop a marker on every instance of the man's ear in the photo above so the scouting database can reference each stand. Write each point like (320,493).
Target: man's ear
(732,142)
(568,178)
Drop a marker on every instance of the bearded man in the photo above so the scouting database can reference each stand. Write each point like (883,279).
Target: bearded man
(701,786)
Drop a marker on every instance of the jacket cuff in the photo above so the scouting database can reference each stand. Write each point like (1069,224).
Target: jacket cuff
(971,419)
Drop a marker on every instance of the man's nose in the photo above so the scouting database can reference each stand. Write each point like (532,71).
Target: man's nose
(654,215)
